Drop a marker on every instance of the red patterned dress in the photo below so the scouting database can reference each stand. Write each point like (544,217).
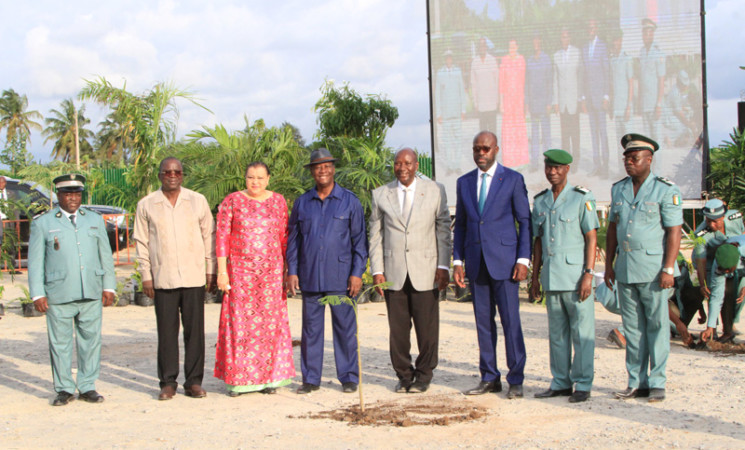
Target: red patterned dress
(254,345)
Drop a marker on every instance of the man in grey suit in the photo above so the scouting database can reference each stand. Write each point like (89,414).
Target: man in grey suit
(408,216)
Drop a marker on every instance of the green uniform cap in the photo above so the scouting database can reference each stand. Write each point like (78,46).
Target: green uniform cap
(557,157)
(633,142)
(71,182)
(727,256)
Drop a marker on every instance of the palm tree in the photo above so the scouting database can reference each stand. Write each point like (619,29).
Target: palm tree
(61,129)
(148,123)
(15,119)
(115,138)
(215,160)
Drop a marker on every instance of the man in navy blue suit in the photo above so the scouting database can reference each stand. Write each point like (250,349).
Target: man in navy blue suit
(496,254)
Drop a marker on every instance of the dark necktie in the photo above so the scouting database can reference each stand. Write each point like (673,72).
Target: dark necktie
(72,219)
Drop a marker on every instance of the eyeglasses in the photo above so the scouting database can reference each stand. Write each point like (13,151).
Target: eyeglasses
(171,173)
(481,149)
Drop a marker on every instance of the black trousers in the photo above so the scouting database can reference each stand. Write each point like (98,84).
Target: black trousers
(423,308)
(188,304)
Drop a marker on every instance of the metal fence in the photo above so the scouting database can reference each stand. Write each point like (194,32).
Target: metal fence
(16,235)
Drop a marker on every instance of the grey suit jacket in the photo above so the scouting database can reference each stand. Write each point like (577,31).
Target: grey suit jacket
(415,248)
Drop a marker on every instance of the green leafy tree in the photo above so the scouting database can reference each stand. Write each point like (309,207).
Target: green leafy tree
(61,130)
(147,122)
(363,165)
(342,112)
(727,174)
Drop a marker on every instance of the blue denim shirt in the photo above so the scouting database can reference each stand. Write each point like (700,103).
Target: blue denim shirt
(328,241)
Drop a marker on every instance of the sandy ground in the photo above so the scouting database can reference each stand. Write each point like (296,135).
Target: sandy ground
(705,405)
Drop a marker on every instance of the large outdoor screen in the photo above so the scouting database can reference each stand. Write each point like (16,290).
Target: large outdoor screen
(574,75)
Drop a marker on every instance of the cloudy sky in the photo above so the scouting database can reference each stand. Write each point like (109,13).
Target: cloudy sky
(267,59)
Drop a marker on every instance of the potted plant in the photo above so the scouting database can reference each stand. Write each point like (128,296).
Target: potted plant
(140,298)
(27,305)
(123,296)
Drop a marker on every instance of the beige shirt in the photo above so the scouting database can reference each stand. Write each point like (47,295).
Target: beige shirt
(175,243)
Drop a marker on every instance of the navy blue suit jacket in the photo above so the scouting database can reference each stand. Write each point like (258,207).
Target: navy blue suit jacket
(596,76)
(493,232)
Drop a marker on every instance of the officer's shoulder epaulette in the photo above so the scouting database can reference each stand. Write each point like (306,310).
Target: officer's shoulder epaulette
(83,211)
(734,216)
(541,193)
(582,189)
(702,233)
(41,214)
(665,180)
(622,179)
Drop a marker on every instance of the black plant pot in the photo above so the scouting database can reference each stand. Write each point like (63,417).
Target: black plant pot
(30,311)
(463,294)
(143,300)
(124,300)
(2,309)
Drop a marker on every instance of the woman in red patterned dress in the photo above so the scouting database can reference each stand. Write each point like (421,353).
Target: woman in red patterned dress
(254,345)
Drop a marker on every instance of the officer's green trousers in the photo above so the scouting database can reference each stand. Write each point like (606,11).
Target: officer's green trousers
(571,325)
(84,317)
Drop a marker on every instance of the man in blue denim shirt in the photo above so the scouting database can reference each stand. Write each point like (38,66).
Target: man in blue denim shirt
(326,255)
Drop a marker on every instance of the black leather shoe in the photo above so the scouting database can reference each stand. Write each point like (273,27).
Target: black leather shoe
(91,397)
(403,386)
(349,387)
(307,388)
(418,387)
(269,390)
(632,393)
(579,396)
(63,398)
(656,395)
(515,391)
(552,393)
(484,387)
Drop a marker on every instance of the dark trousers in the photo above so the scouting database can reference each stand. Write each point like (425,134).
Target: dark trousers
(423,307)
(188,304)
(490,295)
(727,314)
(345,340)
(570,134)
(599,134)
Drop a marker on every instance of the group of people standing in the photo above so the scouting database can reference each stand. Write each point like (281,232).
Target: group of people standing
(596,78)
(257,254)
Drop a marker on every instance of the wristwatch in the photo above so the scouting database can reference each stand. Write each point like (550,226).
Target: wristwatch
(668,270)
(590,271)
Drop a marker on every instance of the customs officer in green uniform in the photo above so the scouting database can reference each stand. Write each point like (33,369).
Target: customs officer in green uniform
(70,275)
(643,239)
(728,264)
(719,225)
(565,225)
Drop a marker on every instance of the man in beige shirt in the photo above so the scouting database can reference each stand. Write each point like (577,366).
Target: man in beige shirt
(174,234)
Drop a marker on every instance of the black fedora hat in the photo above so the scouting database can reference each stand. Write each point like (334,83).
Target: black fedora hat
(320,156)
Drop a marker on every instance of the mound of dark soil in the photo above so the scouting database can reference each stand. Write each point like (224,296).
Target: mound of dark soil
(411,411)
